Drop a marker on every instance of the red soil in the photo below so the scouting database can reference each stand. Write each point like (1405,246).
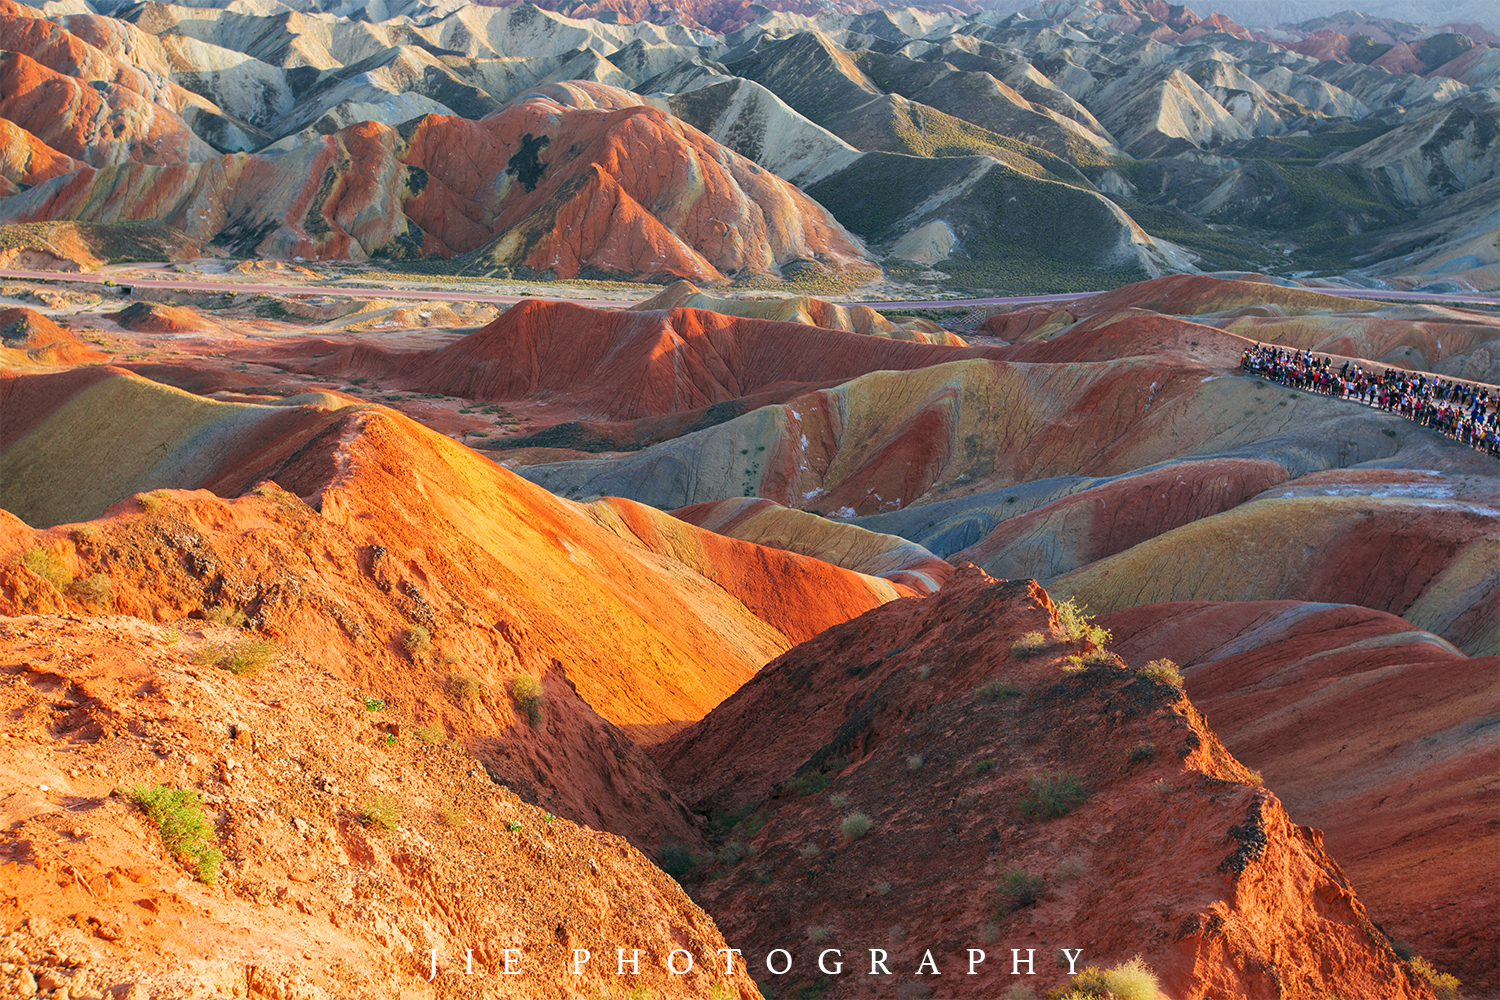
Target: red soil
(152,317)
(621,365)
(26,160)
(1368,729)
(1077,530)
(26,335)
(309,901)
(62,111)
(892,699)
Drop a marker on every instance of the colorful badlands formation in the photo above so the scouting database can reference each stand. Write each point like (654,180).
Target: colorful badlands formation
(737,644)
(428,704)
(1075,144)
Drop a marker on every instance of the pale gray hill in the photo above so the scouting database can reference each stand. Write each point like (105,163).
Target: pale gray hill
(1456,239)
(1265,13)
(1312,93)
(1004,221)
(1163,112)
(1449,149)
(752,121)
(1257,111)
(1377,87)
(811,74)
(1011,68)
(1479,67)
(690,74)
(981,99)
(393,111)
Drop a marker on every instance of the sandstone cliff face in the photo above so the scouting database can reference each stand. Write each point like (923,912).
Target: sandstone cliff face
(921,718)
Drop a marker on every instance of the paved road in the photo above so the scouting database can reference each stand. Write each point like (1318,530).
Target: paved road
(439,295)
(1353,293)
(303,291)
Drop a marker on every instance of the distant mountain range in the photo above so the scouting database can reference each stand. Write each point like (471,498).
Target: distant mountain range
(1075,144)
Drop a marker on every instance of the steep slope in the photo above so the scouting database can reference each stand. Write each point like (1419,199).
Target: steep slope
(422,532)
(1429,561)
(624,365)
(311,896)
(658,197)
(1367,728)
(1447,150)
(751,120)
(864,551)
(919,717)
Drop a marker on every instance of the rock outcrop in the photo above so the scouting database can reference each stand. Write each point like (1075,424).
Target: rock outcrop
(913,748)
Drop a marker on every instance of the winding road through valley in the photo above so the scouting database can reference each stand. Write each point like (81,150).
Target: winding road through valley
(562,293)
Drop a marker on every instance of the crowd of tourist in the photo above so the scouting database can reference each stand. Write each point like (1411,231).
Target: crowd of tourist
(1466,412)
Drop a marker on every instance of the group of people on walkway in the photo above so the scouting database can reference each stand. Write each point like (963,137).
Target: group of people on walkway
(1465,412)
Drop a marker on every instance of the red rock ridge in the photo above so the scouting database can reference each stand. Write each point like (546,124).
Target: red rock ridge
(1370,729)
(919,716)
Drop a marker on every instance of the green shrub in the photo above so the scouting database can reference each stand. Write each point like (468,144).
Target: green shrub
(1049,796)
(838,801)
(453,816)
(1443,984)
(1131,980)
(676,859)
(811,784)
(1071,622)
(428,734)
(464,687)
(526,695)
(48,565)
(1017,889)
(914,762)
(1075,626)
(150,502)
(1163,672)
(1142,752)
(734,852)
(855,825)
(244,657)
(380,812)
(817,935)
(1029,644)
(177,814)
(995,690)
(95,589)
(417,639)
(248,655)
(982,766)
(223,614)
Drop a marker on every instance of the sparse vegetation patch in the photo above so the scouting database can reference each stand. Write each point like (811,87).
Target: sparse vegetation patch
(1050,795)
(855,825)
(380,812)
(526,695)
(177,814)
